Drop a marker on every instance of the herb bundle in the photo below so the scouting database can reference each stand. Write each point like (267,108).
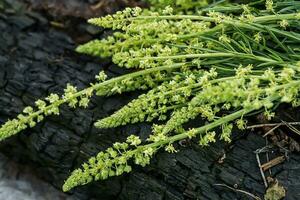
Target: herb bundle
(219,61)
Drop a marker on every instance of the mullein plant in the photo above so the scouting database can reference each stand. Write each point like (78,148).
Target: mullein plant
(220,62)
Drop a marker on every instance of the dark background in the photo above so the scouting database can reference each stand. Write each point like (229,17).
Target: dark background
(37,42)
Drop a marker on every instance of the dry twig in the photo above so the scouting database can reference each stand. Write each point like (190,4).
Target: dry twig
(240,191)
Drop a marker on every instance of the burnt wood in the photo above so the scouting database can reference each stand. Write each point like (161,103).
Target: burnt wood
(37,59)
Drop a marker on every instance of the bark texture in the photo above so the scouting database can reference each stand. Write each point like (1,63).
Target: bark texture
(37,59)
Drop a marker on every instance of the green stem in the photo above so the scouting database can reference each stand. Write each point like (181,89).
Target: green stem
(210,55)
(268,18)
(114,80)
(200,130)
(180,37)
(96,87)
(172,92)
(216,55)
(70,183)
(200,84)
(203,129)
(218,122)
(259,19)
(174,17)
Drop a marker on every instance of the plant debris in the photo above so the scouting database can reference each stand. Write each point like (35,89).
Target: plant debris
(275,191)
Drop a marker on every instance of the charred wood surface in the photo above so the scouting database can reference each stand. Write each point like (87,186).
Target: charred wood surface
(37,59)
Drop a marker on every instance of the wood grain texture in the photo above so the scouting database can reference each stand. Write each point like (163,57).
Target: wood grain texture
(36,59)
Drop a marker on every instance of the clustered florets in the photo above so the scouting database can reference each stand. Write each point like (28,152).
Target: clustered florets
(216,63)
